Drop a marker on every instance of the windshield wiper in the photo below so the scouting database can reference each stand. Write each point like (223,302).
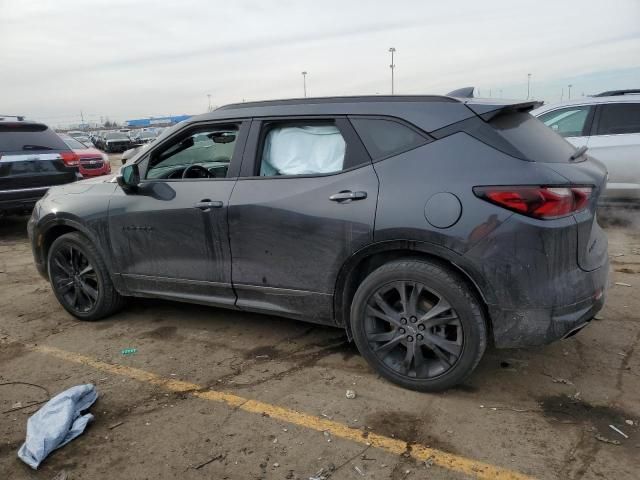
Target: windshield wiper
(36,147)
(579,152)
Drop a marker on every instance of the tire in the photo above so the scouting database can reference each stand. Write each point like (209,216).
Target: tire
(429,341)
(80,280)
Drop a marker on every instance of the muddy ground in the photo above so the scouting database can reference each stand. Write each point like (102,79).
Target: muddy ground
(544,412)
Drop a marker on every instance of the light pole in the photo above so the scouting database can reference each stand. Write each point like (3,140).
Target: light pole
(528,85)
(393,66)
(209,97)
(304,83)
(569,94)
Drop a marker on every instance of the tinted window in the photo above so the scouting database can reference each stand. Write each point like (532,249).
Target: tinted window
(618,118)
(302,149)
(74,144)
(16,138)
(211,148)
(384,138)
(531,138)
(568,122)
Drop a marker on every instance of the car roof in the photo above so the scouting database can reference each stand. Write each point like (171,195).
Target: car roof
(591,100)
(429,112)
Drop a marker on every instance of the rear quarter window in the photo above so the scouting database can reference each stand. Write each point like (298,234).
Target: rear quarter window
(25,138)
(531,138)
(384,138)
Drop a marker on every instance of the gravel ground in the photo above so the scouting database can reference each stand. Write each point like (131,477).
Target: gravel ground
(543,412)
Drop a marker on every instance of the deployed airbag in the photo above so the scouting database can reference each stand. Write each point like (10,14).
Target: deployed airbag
(303,150)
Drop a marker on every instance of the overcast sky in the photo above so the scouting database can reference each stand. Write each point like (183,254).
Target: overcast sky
(131,59)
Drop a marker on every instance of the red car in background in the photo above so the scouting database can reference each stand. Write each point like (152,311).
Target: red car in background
(91,161)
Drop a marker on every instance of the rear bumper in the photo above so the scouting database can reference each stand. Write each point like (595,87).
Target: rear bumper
(539,326)
(20,200)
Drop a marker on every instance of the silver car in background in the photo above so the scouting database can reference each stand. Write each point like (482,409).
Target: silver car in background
(609,125)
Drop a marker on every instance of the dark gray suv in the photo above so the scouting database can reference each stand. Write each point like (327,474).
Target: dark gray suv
(424,226)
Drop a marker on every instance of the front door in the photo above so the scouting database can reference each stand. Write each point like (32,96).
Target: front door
(170,237)
(304,203)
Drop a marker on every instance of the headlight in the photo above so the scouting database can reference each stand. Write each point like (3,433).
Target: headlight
(105,158)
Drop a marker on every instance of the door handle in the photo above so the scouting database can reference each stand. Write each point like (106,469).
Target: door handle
(347,196)
(207,204)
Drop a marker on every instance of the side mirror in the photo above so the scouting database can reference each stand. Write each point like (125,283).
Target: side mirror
(129,177)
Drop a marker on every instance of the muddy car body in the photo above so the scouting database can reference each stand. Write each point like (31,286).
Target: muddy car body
(425,226)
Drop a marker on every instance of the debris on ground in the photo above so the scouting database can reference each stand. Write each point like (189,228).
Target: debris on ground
(615,429)
(129,351)
(351,394)
(115,425)
(327,435)
(218,457)
(61,475)
(324,473)
(358,469)
(429,461)
(56,423)
(598,317)
(564,381)
(622,284)
(629,422)
(606,440)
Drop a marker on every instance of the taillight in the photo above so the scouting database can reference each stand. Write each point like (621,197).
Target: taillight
(538,202)
(70,159)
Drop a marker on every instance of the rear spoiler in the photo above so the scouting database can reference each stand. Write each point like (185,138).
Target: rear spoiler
(488,108)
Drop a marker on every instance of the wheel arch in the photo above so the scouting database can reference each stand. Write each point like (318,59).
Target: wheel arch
(363,262)
(54,229)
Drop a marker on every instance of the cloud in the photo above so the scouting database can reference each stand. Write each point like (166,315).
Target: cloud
(126,59)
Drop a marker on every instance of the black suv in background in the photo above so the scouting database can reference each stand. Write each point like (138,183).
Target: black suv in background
(424,226)
(33,158)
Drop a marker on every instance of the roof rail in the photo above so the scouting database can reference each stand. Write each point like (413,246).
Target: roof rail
(20,118)
(615,93)
(465,92)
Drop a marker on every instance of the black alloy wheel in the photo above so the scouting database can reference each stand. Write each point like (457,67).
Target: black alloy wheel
(80,278)
(74,279)
(413,330)
(419,324)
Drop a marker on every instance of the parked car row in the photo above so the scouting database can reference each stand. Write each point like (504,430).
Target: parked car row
(114,141)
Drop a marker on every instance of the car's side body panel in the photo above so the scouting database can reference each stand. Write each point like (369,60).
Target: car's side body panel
(289,240)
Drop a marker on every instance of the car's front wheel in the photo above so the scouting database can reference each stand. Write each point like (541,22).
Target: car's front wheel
(418,325)
(80,279)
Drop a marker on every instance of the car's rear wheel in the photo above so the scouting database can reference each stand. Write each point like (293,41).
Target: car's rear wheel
(80,279)
(418,325)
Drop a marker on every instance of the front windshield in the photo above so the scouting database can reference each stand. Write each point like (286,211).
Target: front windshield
(147,135)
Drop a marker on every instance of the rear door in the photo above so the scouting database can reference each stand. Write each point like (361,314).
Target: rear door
(30,160)
(615,141)
(305,202)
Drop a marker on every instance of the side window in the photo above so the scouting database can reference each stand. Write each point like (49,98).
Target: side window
(302,149)
(385,138)
(619,118)
(202,153)
(568,122)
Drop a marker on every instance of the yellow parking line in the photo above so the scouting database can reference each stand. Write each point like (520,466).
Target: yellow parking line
(419,452)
